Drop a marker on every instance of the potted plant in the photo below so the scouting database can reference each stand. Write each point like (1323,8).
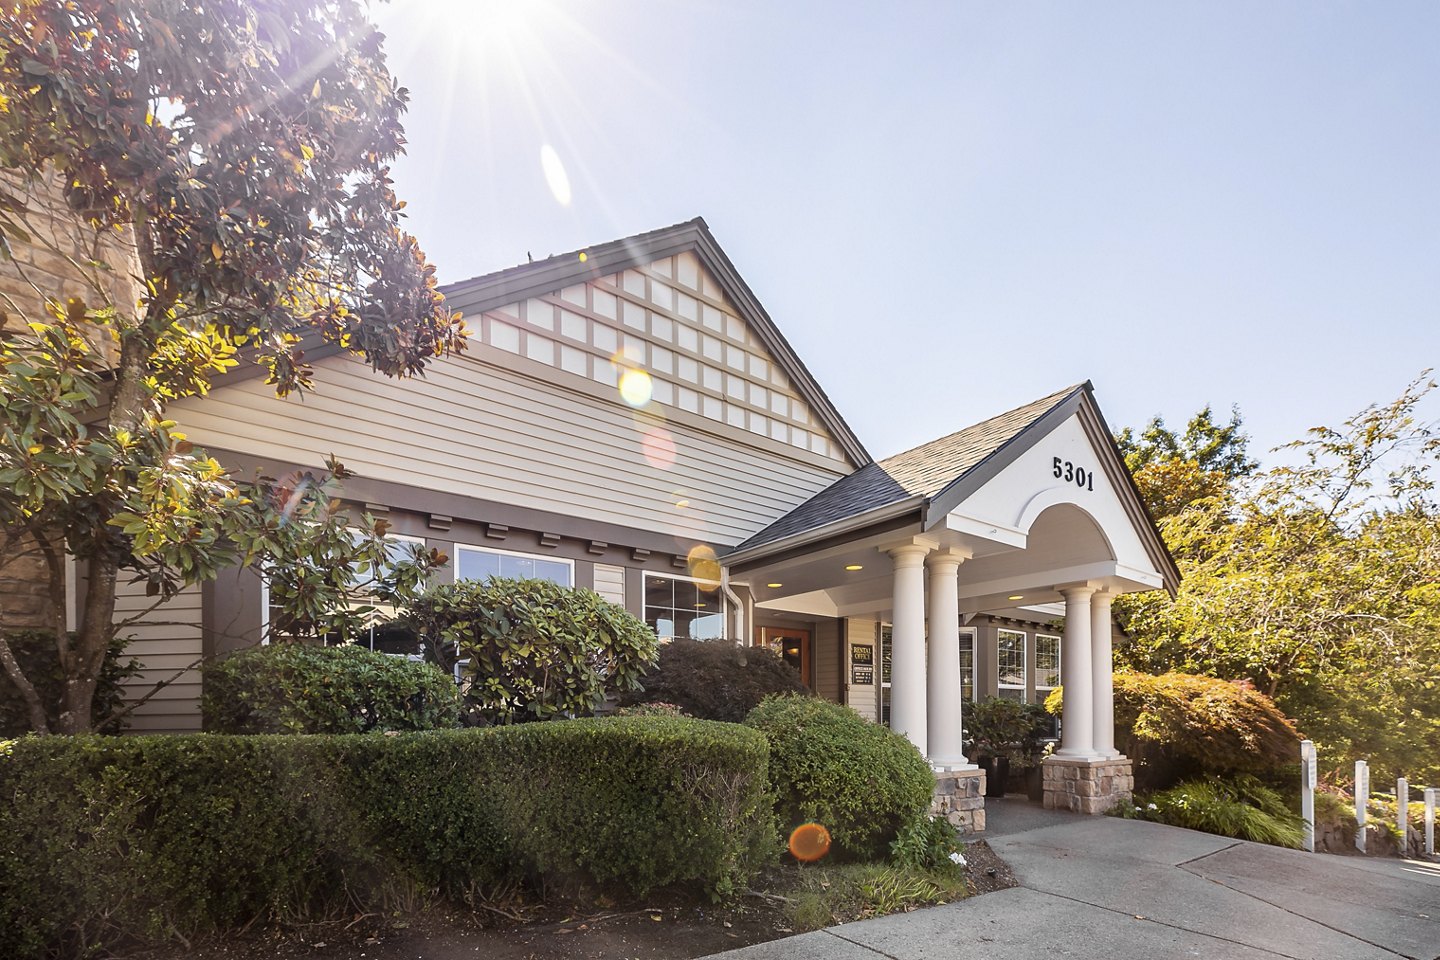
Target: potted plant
(997,728)
(1036,743)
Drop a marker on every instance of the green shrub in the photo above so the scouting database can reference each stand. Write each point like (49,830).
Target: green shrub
(1001,727)
(1179,726)
(718,679)
(1239,807)
(930,844)
(831,766)
(35,651)
(531,649)
(292,688)
(158,838)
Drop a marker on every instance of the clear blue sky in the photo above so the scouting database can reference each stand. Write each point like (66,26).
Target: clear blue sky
(951,209)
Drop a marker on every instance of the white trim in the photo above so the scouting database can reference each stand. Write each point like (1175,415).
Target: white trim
(476,548)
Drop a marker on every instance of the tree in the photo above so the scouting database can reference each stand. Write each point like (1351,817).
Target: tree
(1174,470)
(1317,580)
(239,150)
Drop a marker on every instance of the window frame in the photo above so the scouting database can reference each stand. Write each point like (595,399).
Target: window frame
(1059,662)
(1024,685)
(723,613)
(974,637)
(495,551)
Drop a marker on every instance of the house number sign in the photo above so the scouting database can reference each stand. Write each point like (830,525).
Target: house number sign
(1067,471)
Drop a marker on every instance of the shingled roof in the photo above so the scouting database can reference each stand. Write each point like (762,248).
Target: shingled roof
(920,473)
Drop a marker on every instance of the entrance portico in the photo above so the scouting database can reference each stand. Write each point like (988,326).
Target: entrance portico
(1031,515)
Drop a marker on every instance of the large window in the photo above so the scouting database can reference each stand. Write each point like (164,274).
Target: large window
(679,607)
(480,563)
(1010,673)
(967,664)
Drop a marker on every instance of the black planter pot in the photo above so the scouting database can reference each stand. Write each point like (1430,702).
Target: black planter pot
(1035,784)
(997,774)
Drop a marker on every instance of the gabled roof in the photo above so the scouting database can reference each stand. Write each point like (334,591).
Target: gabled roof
(934,478)
(552,274)
(918,474)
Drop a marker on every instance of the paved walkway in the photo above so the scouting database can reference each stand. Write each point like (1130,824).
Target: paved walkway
(1128,890)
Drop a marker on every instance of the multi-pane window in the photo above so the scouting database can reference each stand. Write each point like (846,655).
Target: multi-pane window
(1047,662)
(967,664)
(885,637)
(380,633)
(1010,672)
(678,607)
(478,563)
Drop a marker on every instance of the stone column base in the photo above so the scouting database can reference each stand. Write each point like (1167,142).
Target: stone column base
(1087,786)
(960,798)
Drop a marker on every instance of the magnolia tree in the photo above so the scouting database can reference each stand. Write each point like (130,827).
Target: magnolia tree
(236,151)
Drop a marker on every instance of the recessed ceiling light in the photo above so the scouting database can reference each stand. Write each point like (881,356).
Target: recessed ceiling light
(773,586)
(1018,596)
(854,566)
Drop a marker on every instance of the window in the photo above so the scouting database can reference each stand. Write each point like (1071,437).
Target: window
(679,607)
(479,563)
(967,664)
(885,637)
(1010,671)
(1047,663)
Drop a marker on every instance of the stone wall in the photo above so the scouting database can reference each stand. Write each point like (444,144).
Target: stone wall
(1087,786)
(960,798)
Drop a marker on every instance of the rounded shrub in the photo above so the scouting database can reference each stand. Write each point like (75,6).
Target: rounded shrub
(831,766)
(531,649)
(292,688)
(717,679)
(1178,726)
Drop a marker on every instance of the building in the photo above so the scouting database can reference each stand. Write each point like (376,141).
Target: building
(629,419)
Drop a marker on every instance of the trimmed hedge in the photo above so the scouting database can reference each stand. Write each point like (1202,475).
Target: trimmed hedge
(1179,726)
(831,766)
(153,837)
(294,688)
(717,679)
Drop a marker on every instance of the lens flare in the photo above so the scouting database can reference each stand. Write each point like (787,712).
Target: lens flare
(704,567)
(659,448)
(809,842)
(555,176)
(636,387)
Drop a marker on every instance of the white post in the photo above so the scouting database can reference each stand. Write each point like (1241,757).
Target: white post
(943,690)
(1077,729)
(1102,666)
(1307,792)
(1402,814)
(1429,821)
(907,646)
(1362,801)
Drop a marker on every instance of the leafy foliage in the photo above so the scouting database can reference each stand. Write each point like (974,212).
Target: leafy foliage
(929,843)
(1316,580)
(830,766)
(832,894)
(1178,726)
(290,688)
(1001,727)
(1174,470)
(718,679)
(533,650)
(162,838)
(237,155)
(35,650)
(1240,807)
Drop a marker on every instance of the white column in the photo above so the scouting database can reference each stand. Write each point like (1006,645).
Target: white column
(1102,666)
(1402,815)
(943,689)
(907,645)
(1077,732)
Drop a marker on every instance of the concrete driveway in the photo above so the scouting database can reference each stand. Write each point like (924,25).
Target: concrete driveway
(1127,890)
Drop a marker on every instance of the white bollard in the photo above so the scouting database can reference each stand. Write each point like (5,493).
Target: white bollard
(1362,801)
(1430,821)
(1402,814)
(1307,792)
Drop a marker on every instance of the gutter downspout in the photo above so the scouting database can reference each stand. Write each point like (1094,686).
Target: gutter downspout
(740,609)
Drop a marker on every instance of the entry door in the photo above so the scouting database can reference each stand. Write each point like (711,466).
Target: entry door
(792,645)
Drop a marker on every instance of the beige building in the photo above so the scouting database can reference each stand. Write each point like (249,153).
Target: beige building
(629,419)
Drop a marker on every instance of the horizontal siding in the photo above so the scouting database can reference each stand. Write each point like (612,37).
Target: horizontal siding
(610,582)
(862,697)
(478,430)
(825,650)
(167,639)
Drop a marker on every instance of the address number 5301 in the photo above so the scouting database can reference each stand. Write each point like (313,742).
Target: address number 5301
(1067,471)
